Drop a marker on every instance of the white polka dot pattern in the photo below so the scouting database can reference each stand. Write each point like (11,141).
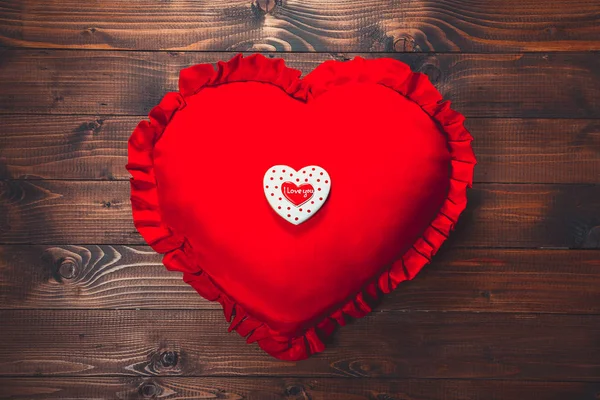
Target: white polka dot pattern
(296,196)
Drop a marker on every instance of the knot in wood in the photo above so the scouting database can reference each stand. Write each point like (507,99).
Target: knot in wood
(294,391)
(149,390)
(267,5)
(433,73)
(168,359)
(68,268)
(406,43)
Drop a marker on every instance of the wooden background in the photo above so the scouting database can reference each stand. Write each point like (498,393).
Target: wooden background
(510,308)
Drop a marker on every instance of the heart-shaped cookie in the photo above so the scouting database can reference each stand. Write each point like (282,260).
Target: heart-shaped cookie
(296,196)
(218,159)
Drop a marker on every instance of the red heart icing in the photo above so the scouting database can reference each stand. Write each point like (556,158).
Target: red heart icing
(399,159)
(298,195)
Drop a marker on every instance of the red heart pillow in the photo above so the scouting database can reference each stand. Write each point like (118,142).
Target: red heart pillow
(297,202)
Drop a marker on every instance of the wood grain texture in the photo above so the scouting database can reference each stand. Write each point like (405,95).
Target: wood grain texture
(131,83)
(498,215)
(304,25)
(508,149)
(500,314)
(477,280)
(172,388)
(536,151)
(385,344)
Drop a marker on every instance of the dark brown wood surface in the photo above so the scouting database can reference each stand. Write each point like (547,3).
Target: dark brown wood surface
(417,345)
(475,280)
(304,25)
(529,85)
(169,387)
(509,309)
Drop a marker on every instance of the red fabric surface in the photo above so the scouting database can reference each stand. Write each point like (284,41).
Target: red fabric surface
(399,158)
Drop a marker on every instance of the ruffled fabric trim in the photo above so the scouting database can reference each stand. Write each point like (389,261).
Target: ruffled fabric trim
(178,255)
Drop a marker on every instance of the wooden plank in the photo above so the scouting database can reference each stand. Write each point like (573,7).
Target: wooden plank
(478,280)
(385,344)
(536,150)
(293,389)
(498,215)
(304,25)
(130,83)
(508,150)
